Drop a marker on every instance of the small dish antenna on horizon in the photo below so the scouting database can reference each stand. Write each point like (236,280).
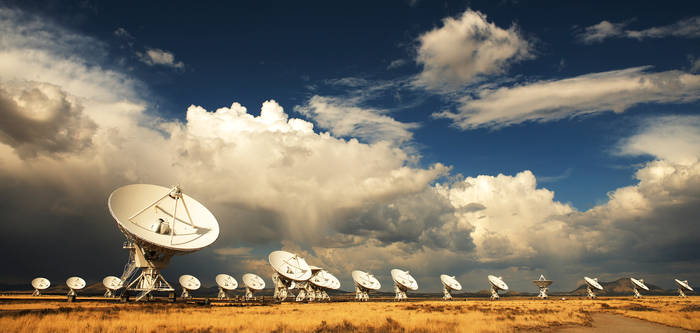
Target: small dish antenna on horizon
(112,284)
(638,284)
(39,284)
(252,284)
(74,283)
(321,282)
(449,283)
(496,284)
(226,283)
(188,283)
(364,283)
(682,287)
(543,284)
(592,284)
(289,268)
(158,222)
(403,281)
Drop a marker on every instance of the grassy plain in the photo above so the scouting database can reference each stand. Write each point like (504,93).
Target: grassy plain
(506,315)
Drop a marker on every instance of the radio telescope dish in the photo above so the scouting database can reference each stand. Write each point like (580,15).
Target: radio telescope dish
(364,283)
(158,222)
(39,284)
(288,268)
(321,282)
(226,283)
(252,284)
(112,284)
(638,284)
(449,283)
(74,283)
(543,284)
(592,284)
(403,281)
(497,284)
(682,287)
(188,283)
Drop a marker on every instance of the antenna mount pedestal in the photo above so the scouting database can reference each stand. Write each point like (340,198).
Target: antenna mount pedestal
(281,286)
(681,293)
(400,292)
(543,293)
(494,293)
(446,293)
(590,292)
(150,262)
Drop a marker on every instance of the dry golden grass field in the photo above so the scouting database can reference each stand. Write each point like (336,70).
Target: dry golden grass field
(505,315)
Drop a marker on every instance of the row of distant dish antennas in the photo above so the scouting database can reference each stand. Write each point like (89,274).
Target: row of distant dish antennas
(293,272)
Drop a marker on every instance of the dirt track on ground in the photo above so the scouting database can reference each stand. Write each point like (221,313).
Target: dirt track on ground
(607,322)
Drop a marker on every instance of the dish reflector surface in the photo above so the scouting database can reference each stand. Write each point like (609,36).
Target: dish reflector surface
(542,282)
(451,282)
(593,283)
(639,283)
(324,279)
(684,284)
(290,265)
(404,278)
(253,281)
(497,282)
(75,283)
(112,282)
(189,282)
(227,282)
(366,280)
(195,227)
(41,283)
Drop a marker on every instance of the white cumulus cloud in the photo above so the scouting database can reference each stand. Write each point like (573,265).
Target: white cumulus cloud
(154,57)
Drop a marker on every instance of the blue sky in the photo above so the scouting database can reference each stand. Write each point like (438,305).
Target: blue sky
(580,99)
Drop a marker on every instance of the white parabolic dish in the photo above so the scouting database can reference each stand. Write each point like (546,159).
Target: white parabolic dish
(542,282)
(126,202)
(227,282)
(41,283)
(497,282)
(112,282)
(75,283)
(593,283)
(639,283)
(189,282)
(684,284)
(253,281)
(366,280)
(289,265)
(326,280)
(451,282)
(404,278)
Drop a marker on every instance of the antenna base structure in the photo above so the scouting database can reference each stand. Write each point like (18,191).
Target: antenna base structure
(543,293)
(636,293)
(400,293)
(589,292)
(109,294)
(222,294)
(36,292)
(446,293)
(150,262)
(306,292)
(681,293)
(494,294)
(249,295)
(185,294)
(361,294)
(281,286)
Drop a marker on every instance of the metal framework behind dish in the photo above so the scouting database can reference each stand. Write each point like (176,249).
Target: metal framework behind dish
(151,260)
(281,284)
(542,283)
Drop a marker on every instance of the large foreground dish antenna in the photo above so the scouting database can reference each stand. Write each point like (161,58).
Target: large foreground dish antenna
(592,284)
(364,283)
(188,283)
(496,284)
(39,284)
(74,283)
(288,268)
(682,287)
(252,284)
(638,284)
(226,283)
(543,284)
(158,222)
(403,281)
(112,284)
(449,283)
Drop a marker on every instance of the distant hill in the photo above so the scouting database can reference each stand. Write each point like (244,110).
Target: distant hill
(621,287)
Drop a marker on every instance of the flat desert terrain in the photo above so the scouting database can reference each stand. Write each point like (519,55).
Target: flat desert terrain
(53,314)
